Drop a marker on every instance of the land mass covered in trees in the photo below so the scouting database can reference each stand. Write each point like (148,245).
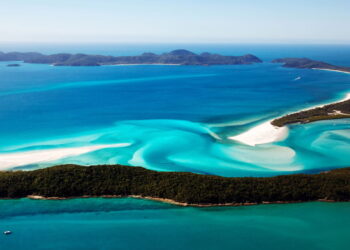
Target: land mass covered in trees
(306,63)
(13,65)
(68,181)
(332,111)
(179,57)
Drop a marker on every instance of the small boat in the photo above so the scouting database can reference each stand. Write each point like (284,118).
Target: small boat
(7,232)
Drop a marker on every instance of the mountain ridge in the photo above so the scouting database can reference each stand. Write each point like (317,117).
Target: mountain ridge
(179,57)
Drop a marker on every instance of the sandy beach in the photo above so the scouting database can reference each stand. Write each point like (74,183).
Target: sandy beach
(334,70)
(262,134)
(345,98)
(173,202)
(268,133)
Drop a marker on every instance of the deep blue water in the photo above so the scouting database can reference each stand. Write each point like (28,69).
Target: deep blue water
(175,118)
(172,118)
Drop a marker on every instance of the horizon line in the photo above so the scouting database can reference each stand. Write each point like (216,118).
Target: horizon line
(183,42)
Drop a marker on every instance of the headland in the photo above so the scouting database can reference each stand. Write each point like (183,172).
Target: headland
(337,110)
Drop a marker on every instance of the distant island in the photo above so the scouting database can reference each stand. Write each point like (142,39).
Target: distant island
(177,57)
(13,65)
(186,189)
(306,63)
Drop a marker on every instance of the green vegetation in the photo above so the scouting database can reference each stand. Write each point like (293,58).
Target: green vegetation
(74,181)
(306,63)
(180,56)
(338,110)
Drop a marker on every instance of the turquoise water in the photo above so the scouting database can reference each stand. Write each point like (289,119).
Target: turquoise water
(171,118)
(138,224)
(174,118)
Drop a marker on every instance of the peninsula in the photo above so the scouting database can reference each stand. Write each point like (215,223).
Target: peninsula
(177,57)
(338,110)
(306,63)
(187,189)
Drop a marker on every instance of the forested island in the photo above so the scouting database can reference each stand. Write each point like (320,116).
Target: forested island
(306,63)
(69,181)
(178,57)
(337,110)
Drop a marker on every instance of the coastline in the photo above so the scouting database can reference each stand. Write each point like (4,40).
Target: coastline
(333,70)
(326,111)
(173,202)
(174,57)
(183,189)
(261,134)
(345,98)
(267,132)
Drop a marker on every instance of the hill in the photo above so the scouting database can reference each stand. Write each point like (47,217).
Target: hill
(179,57)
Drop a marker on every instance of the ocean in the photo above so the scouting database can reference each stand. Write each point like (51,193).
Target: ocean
(171,118)
(92,224)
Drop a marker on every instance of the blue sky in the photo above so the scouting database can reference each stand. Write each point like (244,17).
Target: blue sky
(197,21)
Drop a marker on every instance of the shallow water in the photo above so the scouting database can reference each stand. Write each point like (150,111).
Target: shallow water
(174,118)
(139,224)
(171,118)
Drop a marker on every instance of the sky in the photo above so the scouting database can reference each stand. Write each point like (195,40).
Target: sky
(175,21)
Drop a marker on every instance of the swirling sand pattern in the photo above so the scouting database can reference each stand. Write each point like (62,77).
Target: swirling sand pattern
(169,118)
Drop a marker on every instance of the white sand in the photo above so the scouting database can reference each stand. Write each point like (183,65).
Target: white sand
(335,70)
(10,160)
(262,134)
(267,133)
(346,97)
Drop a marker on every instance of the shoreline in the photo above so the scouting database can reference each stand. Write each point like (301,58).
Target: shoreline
(336,114)
(345,98)
(177,203)
(174,57)
(261,134)
(267,132)
(182,189)
(333,70)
